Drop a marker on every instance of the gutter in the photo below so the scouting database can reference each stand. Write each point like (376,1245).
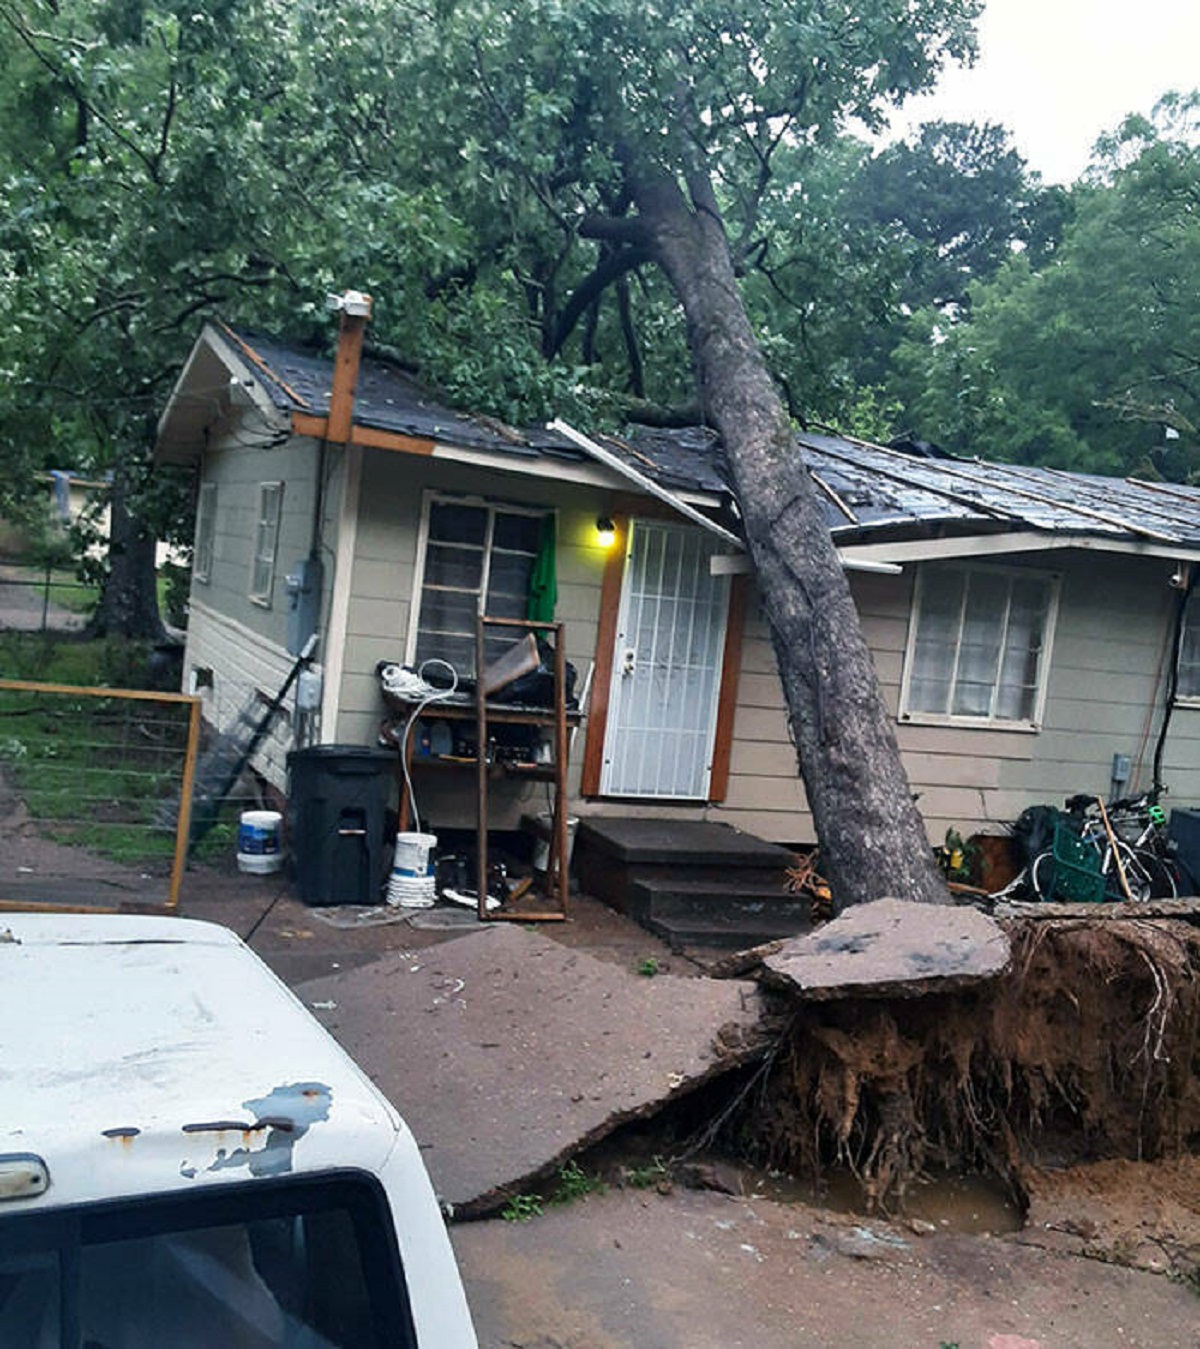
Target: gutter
(651,488)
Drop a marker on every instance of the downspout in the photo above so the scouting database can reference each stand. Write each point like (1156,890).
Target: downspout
(1183,596)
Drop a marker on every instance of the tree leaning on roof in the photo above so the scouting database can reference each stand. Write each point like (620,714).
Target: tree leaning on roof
(650,130)
(872,838)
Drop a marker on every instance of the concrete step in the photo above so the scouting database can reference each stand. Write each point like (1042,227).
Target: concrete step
(647,842)
(716,897)
(734,933)
(612,856)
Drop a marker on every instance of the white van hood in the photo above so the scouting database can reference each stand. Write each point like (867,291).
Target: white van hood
(142,1054)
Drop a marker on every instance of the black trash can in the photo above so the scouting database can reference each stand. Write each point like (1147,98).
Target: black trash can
(338,802)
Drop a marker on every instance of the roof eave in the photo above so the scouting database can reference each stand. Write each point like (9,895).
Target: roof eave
(990,543)
(214,385)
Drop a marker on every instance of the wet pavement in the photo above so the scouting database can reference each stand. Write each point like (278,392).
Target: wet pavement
(508,1053)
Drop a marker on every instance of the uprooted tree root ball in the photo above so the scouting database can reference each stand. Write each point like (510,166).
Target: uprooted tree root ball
(1086,1048)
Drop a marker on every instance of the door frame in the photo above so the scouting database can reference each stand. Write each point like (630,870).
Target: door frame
(606,641)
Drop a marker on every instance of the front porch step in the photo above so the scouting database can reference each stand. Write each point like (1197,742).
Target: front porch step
(732,914)
(633,841)
(732,933)
(693,883)
(612,855)
(655,897)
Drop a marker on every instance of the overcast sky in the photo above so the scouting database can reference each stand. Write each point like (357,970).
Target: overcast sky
(1059,73)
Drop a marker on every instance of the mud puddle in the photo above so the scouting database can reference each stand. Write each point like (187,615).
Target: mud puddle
(647,1157)
(970,1205)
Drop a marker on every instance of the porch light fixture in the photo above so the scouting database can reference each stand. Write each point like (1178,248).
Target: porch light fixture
(606,531)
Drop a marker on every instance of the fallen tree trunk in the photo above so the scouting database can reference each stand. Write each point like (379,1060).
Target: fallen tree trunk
(873,840)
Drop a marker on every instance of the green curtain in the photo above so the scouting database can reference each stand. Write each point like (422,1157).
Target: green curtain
(543,580)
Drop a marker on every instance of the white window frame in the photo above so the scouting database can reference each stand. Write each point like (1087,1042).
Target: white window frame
(918,717)
(1189,697)
(429,499)
(266,543)
(206,530)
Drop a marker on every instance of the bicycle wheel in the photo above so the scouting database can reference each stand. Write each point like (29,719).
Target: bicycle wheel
(1148,877)
(1155,875)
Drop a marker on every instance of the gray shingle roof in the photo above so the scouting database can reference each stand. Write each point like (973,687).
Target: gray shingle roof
(868,491)
(386,399)
(886,489)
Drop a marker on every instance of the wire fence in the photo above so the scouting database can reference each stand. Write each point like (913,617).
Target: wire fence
(123,753)
(95,795)
(43,599)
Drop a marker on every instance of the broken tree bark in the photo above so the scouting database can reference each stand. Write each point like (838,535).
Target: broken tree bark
(873,841)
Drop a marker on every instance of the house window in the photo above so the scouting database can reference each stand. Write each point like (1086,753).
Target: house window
(479,558)
(979,645)
(206,528)
(1188,669)
(266,540)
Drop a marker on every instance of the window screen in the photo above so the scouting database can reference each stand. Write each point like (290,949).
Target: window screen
(266,540)
(206,526)
(979,646)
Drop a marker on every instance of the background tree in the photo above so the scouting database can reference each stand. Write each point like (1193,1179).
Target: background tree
(142,191)
(1080,362)
(960,201)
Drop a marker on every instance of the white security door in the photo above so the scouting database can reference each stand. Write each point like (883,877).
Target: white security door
(666,681)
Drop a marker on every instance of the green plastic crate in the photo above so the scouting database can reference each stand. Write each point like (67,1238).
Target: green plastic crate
(1077,875)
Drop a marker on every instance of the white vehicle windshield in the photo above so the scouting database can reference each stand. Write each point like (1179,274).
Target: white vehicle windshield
(308,1263)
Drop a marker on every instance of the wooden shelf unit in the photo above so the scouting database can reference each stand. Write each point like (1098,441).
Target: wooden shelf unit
(484,712)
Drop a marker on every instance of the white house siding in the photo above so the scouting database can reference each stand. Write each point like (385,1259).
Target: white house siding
(244,664)
(238,471)
(241,644)
(1110,664)
(1107,668)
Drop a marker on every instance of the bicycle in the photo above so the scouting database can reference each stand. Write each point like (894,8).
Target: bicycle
(1119,852)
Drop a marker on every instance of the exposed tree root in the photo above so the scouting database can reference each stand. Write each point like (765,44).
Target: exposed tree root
(1086,1049)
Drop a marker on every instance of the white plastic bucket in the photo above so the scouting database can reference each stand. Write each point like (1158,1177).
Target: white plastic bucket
(258,832)
(259,863)
(413,882)
(414,855)
(258,851)
(543,833)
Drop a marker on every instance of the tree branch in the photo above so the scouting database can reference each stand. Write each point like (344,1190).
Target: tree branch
(531,182)
(27,36)
(613,265)
(612,229)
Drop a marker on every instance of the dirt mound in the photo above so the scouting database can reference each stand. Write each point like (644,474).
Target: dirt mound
(1086,1049)
(1145,1215)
